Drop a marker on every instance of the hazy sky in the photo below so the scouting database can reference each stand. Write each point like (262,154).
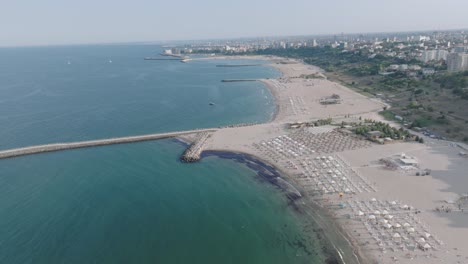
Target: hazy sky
(34,22)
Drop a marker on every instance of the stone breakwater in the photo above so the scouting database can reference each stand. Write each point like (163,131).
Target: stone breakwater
(93,143)
(193,153)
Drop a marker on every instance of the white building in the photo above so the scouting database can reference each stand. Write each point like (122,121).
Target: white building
(457,62)
(434,55)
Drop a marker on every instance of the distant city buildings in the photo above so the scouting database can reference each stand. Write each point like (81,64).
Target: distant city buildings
(434,55)
(457,62)
(434,50)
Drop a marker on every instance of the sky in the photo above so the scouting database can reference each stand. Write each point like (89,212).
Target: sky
(57,22)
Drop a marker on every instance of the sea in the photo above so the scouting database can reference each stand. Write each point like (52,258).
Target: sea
(135,203)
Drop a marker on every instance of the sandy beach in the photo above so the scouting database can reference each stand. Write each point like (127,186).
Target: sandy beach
(389,215)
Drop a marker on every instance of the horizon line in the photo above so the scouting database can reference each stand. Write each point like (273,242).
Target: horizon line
(159,42)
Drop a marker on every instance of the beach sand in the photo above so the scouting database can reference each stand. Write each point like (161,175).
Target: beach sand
(297,100)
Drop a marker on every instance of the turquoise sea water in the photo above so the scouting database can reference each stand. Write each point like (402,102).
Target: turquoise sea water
(134,203)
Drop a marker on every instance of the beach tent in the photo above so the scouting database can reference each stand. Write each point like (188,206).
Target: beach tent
(393,203)
(360,213)
(389,217)
(396,237)
(404,206)
(383,221)
(347,191)
(385,212)
(377,212)
(344,178)
(371,217)
(421,240)
(373,200)
(388,226)
(427,247)
(397,225)
(410,230)
(406,225)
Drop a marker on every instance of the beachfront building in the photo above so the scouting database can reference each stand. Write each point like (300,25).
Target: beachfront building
(434,55)
(457,62)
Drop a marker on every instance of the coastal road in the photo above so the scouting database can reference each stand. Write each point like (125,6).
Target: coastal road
(10,153)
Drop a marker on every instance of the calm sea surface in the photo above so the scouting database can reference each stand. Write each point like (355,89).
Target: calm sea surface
(134,203)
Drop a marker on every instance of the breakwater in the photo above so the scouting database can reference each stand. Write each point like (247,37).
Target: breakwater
(4,154)
(239,80)
(238,65)
(193,153)
(161,59)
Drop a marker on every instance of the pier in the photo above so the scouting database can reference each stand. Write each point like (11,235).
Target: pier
(193,153)
(161,59)
(239,80)
(238,65)
(4,154)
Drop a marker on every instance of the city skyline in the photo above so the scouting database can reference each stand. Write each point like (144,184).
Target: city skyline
(51,22)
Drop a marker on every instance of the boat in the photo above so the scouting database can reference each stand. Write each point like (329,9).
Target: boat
(211,103)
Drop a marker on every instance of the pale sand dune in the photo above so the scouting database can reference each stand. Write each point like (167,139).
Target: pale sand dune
(298,100)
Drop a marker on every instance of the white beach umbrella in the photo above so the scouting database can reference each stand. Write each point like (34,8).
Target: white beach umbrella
(427,246)
(347,190)
(330,157)
(373,200)
(421,240)
(385,212)
(393,203)
(388,226)
(410,230)
(396,237)
(360,213)
(397,225)
(406,225)
(404,206)
(344,178)
(389,217)
(371,217)
(383,221)
(427,235)
(377,212)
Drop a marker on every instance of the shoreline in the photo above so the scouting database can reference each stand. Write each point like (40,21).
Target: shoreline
(298,100)
(333,232)
(274,176)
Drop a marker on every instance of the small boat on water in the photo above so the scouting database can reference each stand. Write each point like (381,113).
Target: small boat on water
(211,103)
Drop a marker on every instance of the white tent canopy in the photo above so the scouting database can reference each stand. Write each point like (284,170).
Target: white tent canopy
(371,217)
